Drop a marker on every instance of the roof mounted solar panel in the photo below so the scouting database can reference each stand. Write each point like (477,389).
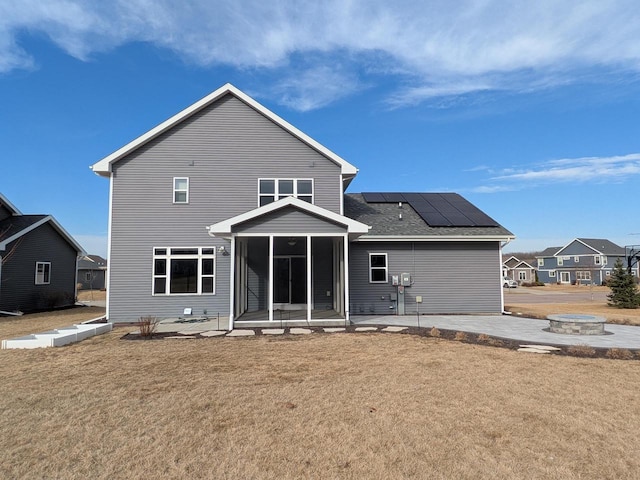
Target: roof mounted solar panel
(437,209)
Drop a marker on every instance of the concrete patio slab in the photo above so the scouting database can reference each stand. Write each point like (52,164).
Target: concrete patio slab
(394,329)
(366,329)
(522,329)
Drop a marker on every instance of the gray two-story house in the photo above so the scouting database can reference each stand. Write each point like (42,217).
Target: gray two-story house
(228,210)
(37,262)
(581,261)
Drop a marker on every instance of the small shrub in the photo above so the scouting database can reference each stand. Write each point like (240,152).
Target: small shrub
(147,326)
(434,332)
(581,350)
(483,337)
(494,342)
(619,354)
(461,337)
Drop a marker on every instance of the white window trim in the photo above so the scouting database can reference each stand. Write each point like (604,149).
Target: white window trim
(276,193)
(560,261)
(385,268)
(541,262)
(168,257)
(176,190)
(40,280)
(552,273)
(583,275)
(597,260)
(522,275)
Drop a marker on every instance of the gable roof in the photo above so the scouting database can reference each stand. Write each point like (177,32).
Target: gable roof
(224,228)
(511,261)
(386,223)
(522,264)
(19,225)
(601,246)
(103,167)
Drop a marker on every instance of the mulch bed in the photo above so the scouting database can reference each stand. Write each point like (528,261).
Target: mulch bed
(444,334)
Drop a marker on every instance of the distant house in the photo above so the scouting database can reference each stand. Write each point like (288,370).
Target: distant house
(518,270)
(227,209)
(583,260)
(92,271)
(37,261)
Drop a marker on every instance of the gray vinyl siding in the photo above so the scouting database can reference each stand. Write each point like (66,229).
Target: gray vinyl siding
(97,281)
(289,220)
(576,248)
(18,290)
(452,277)
(223,150)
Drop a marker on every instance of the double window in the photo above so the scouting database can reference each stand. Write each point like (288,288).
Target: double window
(378,268)
(184,271)
(181,190)
(272,189)
(522,275)
(43,273)
(583,276)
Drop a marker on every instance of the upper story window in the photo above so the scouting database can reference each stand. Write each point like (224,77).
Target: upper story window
(181,190)
(560,261)
(43,273)
(541,262)
(378,268)
(272,189)
(597,260)
(182,271)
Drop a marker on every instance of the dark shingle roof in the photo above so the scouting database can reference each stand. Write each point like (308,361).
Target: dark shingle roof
(13,225)
(603,246)
(548,252)
(384,219)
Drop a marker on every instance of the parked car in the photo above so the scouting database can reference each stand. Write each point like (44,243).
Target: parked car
(509,283)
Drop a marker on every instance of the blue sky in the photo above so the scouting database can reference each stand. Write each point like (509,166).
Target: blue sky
(531,110)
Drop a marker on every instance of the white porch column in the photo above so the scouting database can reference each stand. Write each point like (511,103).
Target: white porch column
(346,277)
(270,302)
(232,280)
(309,289)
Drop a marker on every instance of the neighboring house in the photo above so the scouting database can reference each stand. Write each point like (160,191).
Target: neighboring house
(518,270)
(226,209)
(37,261)
(583,260)
(92,271)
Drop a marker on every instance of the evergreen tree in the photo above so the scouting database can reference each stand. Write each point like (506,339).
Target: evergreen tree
(624,291)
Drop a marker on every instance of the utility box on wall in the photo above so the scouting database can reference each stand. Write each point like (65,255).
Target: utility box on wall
(405,279)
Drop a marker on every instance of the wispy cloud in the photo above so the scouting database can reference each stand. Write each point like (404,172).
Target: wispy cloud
(435,50)
(574,170)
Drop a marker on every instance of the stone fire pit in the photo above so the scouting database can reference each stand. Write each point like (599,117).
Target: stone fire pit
(575,324)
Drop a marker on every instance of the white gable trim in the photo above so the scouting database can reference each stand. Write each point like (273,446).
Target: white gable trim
(103,167)
(9,205)
(56,226)
(225,227)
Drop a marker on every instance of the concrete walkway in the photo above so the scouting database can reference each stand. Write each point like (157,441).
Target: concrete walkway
(526,330)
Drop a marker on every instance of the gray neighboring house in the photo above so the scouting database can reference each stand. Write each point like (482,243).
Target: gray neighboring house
(227,209)
(519,270)
(37,261)
(92,272)
(582,260)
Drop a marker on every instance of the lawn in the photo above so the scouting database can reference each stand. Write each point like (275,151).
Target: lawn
(566,304)
(372,406)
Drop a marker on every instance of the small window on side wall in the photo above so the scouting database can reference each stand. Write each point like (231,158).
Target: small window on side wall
(43,273)
(181,190)
(378,268)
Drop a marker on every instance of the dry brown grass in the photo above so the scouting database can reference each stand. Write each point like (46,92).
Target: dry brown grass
(39,322)
(319,406)
(92,295)
(613,315)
